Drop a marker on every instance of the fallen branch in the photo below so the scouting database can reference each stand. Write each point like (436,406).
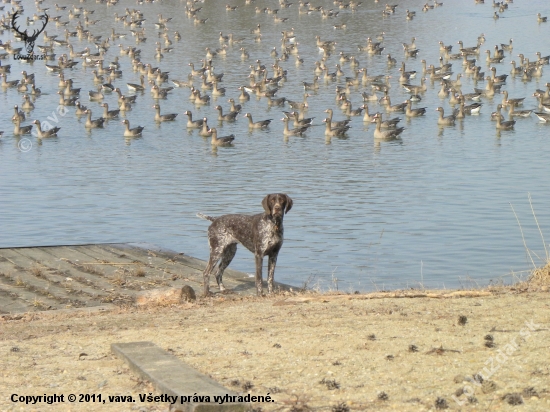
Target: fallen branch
(385,295)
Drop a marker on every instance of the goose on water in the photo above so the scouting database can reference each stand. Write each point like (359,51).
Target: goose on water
(410,112)
(230,117)
(163,117)
(389,134)
(205,130)
(331,131)
(80,109)
(298,131)
(109,114)
(19,130)
(505,125)
(42,134)
(137,87)
(336,124)
(92,124)
(221,141)
(18,114)
(27,104)
(136,131)
(262,124)
(192,124)
(445,120)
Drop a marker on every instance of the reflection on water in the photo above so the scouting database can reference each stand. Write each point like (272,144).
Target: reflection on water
(432,207)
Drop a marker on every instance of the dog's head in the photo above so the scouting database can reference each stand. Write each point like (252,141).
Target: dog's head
(277,204)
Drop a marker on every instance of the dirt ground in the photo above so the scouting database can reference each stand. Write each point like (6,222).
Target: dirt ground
(310,352)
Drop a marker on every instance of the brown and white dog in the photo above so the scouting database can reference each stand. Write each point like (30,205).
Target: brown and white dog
(262,234)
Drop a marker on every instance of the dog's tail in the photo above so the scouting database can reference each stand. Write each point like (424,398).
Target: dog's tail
(205,217)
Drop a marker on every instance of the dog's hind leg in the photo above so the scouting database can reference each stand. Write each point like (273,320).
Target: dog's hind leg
(226,258)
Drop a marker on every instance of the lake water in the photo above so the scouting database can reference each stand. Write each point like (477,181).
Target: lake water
(433,208)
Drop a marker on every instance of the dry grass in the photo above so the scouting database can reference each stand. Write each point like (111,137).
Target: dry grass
(91,269)
(36,271)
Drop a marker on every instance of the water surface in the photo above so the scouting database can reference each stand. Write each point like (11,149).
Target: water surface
(433,208)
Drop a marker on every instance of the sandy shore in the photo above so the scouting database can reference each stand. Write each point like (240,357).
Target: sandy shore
(310,352)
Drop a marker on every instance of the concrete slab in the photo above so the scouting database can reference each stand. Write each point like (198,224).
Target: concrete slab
(54,277)
(171,376)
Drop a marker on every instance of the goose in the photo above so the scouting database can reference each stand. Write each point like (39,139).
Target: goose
(218,91)
(262,124)
(497,79)
(513,102)
(473,108)
(443,92)
(298,131)
(137,87)
(125,99)
(518,113)
(80,109)
(198,72)
(507,47)
(221,141)
(244,96)
(369,97)
(460,113)
(386,124)
(136,131)
(541,19)
(27,104)
(69,90)
(205,130)
(22,88)
(389,134)
(35,91)
(311,86)
(419,111)
(92,124)
(234,107)
(276,102)
(336,124)
(416,88)
(230,117)
(6,84)
(337,131)
(180,83)
(200,100)
(300,122)
(543,117)
(515,70)
(96,95)
(541,59)
(69,101)
(505,125)
(497,114)
(19,130)
(348,110)
(192,124)
(124,106)
(445,121)
(163,117)
(42,134)
(367,117)
(400,107)
(18,114)
(299,105)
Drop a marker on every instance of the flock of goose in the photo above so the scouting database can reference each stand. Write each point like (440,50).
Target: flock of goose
(265,82)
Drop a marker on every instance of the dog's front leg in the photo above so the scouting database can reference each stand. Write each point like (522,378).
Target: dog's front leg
(259,262)
(272,261)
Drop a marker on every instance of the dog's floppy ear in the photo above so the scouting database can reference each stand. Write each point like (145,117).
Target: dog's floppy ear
(289,204)
(267,205)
